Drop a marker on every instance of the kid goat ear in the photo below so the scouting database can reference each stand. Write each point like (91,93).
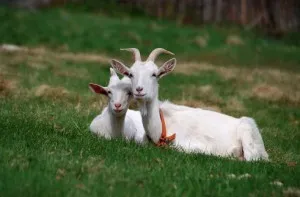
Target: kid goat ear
(98,89)
(120,67)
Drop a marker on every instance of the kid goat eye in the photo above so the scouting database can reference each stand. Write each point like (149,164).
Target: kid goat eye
(153,75)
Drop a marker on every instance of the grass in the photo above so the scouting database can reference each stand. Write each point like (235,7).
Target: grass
(46,108)
(79,31)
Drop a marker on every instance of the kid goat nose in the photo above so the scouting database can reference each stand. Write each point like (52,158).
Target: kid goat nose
(139,89)
(117,105)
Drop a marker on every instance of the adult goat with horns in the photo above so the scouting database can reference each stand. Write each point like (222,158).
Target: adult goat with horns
(188,129)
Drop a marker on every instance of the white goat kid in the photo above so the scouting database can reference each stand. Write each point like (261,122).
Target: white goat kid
(196,130)
(116,120)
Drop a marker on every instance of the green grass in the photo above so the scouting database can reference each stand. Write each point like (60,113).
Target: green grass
(81,31)
(73,162)
(46,148)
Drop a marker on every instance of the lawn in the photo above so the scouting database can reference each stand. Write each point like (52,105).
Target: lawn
(46,107)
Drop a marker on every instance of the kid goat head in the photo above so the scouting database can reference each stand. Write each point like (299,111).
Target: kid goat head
(145,75)
(118,91)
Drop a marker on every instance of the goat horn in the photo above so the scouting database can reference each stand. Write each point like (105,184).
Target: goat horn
(135,51)
(156,52)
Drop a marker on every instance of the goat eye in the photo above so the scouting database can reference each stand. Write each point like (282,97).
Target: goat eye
(153,75)
(108,92)
(129,93)
(130,75)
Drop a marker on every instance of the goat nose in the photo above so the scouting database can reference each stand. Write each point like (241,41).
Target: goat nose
(117,105)
(139,89)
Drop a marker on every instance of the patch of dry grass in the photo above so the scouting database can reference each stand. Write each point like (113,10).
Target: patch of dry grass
(42,53)
(291,192)
(40,59)
(81,73)
(233,72)
(39,65)
(93,103)
(84,57)
(47,91)
(234,40)
(59,93)
(205,93)
(267,92)
(201,41)
(93,165)
(3,69)
(267,84)
(190,68)
(7,87)
(235,104)
(236,72)
(276,93)
(205,97)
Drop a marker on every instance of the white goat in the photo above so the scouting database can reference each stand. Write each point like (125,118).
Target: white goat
(116,120)
(194,129)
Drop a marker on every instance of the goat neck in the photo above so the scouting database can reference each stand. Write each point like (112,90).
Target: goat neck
(151,118)
(116,122)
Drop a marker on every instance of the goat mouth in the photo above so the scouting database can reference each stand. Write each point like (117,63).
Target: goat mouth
(139,95)
(118,110)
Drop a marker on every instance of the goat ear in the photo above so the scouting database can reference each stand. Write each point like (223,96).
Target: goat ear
(120,67)
(114,78)
(98,89)
(166,67)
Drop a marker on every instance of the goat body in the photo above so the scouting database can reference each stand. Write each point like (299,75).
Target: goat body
(116,120)
(129,126)
(210,132)
(196,130)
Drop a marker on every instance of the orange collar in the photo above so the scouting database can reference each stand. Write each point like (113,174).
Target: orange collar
(164,140)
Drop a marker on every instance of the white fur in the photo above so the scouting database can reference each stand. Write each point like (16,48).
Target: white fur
(128,123)
(197,130)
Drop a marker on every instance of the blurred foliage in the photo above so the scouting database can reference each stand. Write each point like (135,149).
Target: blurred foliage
(107,7)
(118,9)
